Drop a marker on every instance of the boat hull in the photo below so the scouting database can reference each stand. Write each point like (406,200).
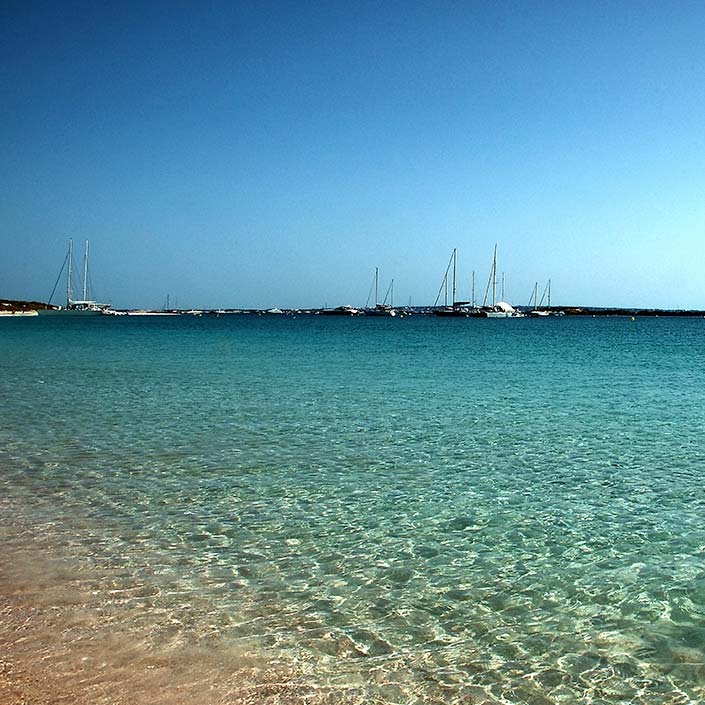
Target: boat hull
(340,311)
(377,312)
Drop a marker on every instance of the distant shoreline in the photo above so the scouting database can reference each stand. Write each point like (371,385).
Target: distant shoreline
(10,305)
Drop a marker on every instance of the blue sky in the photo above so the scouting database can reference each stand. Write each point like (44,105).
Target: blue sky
(261,154)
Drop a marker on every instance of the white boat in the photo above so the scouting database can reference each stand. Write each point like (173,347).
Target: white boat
(341,311)
(503,310)
(537,311)
(497,309)
(84,305)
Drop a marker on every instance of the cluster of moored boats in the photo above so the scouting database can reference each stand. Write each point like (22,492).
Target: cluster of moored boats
(451,307)
(459,310)
(490,307)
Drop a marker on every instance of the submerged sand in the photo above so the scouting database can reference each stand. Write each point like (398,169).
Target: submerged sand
(57,645)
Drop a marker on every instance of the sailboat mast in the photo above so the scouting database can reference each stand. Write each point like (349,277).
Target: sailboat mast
(454,261)
(376,286)
(392,300)
(494,276)
(444,284)
(549,293)
(68,274)
(473,288)
(85,273)
(536,294)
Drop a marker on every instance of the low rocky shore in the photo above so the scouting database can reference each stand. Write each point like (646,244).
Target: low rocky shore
(11,306)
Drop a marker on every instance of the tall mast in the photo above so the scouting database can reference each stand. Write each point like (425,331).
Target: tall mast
(392,301)
(536,294)
(473,288)
(376,284)
(444,284)
(68,275)
(85,273)
(454,260)
(549,293)
(494,276)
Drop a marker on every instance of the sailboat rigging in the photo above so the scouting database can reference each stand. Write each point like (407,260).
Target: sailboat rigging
(537,311)
(458,309)
(497,309)
(84,304)
(381,309)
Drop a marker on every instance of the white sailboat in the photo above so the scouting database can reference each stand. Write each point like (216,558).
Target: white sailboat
(497,309)
(84,305)
(537,311)
(384,308)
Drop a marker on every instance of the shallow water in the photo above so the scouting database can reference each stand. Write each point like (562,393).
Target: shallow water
(409,509)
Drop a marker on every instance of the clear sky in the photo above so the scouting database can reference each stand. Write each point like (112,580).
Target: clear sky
(274,153)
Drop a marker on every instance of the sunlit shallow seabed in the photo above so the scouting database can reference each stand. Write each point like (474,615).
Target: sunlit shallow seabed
(359,510)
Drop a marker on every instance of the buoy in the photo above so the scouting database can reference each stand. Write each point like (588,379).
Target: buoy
(632,318)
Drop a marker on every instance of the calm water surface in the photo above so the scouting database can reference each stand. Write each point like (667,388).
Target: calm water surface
(416,509)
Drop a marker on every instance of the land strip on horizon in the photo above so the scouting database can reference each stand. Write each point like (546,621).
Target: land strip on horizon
(10,305)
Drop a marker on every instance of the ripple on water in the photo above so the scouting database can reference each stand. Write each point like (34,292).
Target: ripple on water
(526,528)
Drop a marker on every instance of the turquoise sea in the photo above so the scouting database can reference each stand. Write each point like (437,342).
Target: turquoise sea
(411,510)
